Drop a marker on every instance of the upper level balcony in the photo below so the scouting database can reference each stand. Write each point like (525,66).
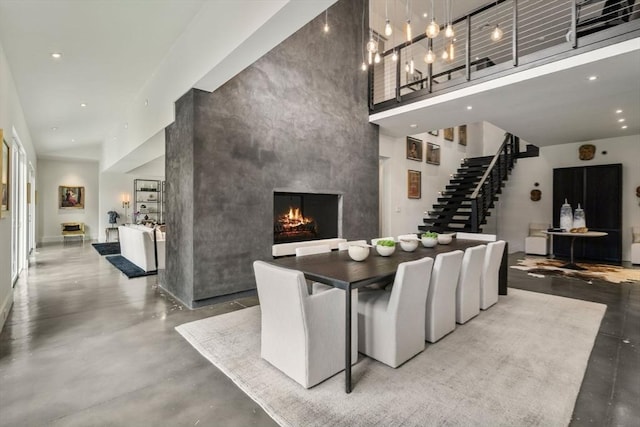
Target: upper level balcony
(492,41)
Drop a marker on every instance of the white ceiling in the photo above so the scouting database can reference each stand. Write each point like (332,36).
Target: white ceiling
(112,48)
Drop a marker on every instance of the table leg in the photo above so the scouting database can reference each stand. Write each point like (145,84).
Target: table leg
(347,341)
(572,265)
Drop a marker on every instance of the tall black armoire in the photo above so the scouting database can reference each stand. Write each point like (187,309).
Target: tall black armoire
(598,189)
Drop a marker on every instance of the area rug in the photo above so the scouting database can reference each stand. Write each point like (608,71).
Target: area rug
(128,268)
(540,267)
(110,248)
(519,363)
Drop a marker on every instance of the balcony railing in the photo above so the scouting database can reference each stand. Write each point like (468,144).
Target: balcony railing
(532,31)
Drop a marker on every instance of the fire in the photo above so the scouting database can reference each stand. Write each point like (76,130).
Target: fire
(293,219)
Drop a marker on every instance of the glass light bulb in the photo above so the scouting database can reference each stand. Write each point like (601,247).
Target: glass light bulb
(429,58)
(451,52)
(408,30)
(372,46)
(445,54)
(448,32)
(406,67)
(387,29)
(411,67)
(376,58)
(496,34)
(364,66)
(394,56)
(432,29)
(326,28)
(370,58)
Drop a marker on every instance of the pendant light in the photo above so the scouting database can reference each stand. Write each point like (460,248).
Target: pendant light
(430,57)
(326,20)
(364,64)
(451,50)
(433,28)
(496,34)
(448,31)
(372,47)
(387,26)
(394,56)
(408,26)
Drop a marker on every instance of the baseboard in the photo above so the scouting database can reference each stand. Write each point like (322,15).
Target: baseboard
(5,308)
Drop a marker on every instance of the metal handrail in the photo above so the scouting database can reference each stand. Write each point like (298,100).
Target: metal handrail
(507,138)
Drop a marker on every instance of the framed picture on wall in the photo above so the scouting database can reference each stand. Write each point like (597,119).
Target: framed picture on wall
(433,154)
(414,149)
(70,197)
(448,134)
(462,135)
(414,184)
(5,163)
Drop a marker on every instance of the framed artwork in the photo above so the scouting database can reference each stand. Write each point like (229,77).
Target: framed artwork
(448,134)
(434,132)
(70,197)
(414,188)
(415,77)
(433,154)
(414,149)
(5,164)
(462,135)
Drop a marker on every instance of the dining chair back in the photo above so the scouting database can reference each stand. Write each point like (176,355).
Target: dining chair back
(343,246)
(491,274)
(440,316)
(468,291)
(476,236)
(312,250)
(302,335)
(408,236)
(391,323)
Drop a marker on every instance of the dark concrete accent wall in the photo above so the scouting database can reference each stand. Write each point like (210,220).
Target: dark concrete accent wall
(297,119)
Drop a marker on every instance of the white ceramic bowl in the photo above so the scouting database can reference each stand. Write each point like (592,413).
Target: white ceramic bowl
(358,253)
(408,245)
(444,239)
(429,242)
(385,250)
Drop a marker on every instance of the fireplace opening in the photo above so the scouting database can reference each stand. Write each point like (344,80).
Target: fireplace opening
(304,216)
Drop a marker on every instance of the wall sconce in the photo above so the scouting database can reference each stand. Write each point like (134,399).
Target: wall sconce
(125,204)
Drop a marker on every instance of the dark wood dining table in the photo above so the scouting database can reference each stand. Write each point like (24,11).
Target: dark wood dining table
(337,269)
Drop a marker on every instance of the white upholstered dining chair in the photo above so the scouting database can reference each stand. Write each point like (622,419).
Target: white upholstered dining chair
(391,323)
(312,250)
(491,274)
(440,316)
(302,335)
(468,291)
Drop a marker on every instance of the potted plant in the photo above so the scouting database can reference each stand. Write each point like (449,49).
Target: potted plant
(385,247)
(429,239)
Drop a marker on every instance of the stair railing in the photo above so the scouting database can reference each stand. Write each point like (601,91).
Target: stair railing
(491,181)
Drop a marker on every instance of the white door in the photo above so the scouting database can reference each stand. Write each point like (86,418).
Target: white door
(18,172)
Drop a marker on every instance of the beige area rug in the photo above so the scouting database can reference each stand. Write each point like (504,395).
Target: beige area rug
(541,267)
(520,363)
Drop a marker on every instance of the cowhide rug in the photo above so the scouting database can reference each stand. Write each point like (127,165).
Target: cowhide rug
(541,267)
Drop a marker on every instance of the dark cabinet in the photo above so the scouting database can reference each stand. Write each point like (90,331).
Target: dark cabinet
(598,189)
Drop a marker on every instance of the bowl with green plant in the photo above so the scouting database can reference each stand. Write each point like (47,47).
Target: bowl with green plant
(385,247)
(429,239)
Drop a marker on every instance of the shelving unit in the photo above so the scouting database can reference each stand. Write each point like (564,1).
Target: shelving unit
(148,201)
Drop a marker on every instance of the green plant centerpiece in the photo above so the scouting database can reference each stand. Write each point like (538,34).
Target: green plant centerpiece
(429,239)
(385,247)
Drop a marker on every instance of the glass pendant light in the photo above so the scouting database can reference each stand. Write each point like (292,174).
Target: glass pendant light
(496,34)
(451,51)
(326,21)
(430,57)
(364,66)
(411,66)
(448,31)
(387,26)
(408,30)
(394,56)
(377,58)
(433,28)
(406,66)
(445,54)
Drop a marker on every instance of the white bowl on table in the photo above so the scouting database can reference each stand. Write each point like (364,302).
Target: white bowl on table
(385,250)
(445,239)
(429,242)
(358,252)
(409,245)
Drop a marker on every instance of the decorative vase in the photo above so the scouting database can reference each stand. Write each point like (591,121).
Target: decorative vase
(566,216)
(579,220)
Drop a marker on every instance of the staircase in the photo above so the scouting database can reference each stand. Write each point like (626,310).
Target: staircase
(466,202)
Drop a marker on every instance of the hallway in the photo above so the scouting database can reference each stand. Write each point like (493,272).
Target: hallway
(85,346)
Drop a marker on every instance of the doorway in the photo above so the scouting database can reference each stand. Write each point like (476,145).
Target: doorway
(19,208)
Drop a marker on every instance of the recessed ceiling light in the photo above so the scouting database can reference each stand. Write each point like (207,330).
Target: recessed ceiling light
(413,125)
(469,107)
(624,127)
(73,140)
(592,78)
(126,125)
(621,120)
(618,111)
(83,105)
(424,15)
(54,128)
(56,55)
(146,102)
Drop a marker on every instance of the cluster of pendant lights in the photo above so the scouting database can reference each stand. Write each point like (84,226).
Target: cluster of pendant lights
(432,31)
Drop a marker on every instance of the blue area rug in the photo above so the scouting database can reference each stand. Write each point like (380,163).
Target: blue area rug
(111,248)
(128,268)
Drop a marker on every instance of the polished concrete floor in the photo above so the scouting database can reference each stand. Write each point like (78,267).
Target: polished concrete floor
(86,346)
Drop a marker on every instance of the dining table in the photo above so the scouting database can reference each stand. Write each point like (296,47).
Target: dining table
(574,235)
(337,269)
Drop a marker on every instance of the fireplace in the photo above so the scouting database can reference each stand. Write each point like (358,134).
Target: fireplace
(305,216)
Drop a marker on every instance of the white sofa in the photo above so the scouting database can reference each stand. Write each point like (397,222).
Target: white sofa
(136,245)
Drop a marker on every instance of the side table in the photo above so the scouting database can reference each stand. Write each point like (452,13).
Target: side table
(112,230)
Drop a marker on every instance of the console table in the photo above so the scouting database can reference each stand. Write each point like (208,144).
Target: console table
(572,265)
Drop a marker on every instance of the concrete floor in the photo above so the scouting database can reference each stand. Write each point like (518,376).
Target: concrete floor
(86,346)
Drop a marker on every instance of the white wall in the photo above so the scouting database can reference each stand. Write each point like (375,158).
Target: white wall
(515,210)
(112,187)
(400,214)
(11,119)
(53,173)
